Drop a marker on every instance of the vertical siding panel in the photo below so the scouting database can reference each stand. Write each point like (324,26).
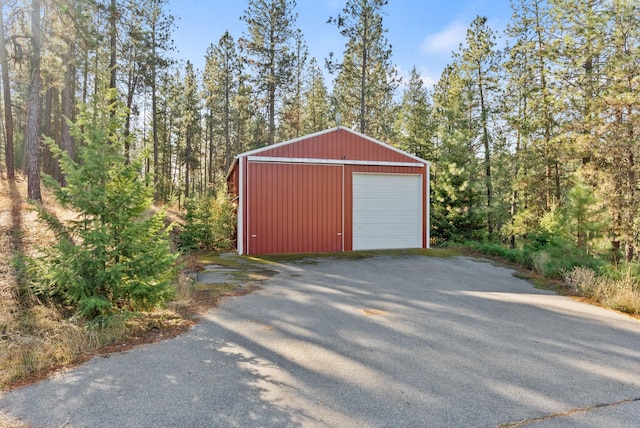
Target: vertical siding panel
(284,222)
(313,211)
(281,207)
(310,214)
(290,221)
(299,212)
(292,206)
(285,191)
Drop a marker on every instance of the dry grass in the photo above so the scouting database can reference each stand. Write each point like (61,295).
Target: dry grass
(621,293)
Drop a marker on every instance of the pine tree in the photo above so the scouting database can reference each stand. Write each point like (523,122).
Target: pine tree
(598,74)
(114,256)
(6,91)
(32,133)
(291,124)
(620,119)
(583,214)
(479,63)
(366,81)
(316,111)
(271,30)
(190,130)
(158,37)
(415,126)
(222,77)
(530,109)
(457,191)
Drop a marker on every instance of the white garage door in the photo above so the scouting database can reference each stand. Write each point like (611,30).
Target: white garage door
(387,211)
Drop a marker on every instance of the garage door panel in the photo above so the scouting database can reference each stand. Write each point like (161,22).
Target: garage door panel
(387,211)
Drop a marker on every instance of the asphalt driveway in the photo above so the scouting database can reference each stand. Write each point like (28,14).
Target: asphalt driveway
(405,341)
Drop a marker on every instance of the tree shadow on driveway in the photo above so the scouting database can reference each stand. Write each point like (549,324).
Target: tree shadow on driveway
(385,341)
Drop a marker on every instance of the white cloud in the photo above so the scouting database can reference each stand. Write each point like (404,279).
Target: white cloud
(445,41)
(428,78)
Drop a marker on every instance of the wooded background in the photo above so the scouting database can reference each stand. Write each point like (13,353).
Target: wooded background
(533,141)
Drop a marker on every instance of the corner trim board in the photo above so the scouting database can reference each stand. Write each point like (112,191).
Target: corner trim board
(333,161)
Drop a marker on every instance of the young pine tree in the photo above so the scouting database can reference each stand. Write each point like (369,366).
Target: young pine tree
(114,255)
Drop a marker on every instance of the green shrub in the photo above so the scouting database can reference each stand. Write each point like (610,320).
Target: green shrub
(552,260)
(115,255)
(210,223)
(549,258)
(493,249)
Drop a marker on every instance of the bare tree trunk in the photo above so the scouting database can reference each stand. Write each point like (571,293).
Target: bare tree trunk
(131,88)
(187,167)
(363,77)
(46,157)
(487,153)
(631,209)
(67,101)
(32,134)
(210,140)
(154,115)
(113,43)
(8,116)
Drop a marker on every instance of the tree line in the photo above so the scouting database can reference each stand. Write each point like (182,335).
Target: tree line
(533,133)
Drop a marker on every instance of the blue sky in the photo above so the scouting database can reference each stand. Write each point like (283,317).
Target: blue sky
(422,32)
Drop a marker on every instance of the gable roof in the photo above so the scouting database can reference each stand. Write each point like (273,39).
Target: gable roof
(323,133)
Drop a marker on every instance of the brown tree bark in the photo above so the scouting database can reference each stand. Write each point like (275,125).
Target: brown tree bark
(32,133)
(6,89)
(113,38)
(68,101)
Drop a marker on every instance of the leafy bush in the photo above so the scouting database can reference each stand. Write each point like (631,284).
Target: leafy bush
(210,223)
(553,260)
(115,255)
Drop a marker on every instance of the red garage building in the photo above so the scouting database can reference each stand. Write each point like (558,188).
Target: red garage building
(335,190)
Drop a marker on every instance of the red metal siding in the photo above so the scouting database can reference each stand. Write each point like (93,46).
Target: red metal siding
(339,144)
(348,196)
(286,207)
(293,208)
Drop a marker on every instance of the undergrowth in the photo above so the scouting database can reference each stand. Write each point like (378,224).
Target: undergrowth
(35,335)
(617,288)
(614,286)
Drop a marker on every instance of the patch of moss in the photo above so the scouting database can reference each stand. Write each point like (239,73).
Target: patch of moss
(307,258)
(229,260)
(215,289)
(540,283)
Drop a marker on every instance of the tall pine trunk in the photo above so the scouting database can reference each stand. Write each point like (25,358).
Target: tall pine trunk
(32,133)
(487,151)
(6,89)
(363,76)
(154,116)
(113,38)
(68,102)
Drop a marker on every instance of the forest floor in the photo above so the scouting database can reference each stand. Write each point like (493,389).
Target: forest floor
(37,339)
